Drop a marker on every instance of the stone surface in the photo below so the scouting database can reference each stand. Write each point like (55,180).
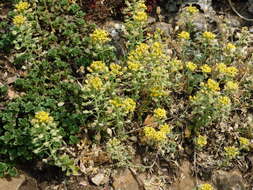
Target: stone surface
(164,27)
(186,180)
(99,179)
(13,183)
(125,181)
(231,180)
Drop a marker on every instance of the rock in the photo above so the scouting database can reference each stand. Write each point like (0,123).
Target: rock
(164,27)
(13,183)
(231,180)
(100,179)
(187,182)
(151,20)
(29,184)
(125,181)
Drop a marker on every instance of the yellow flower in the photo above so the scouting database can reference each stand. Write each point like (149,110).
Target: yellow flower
(176,64)
(192,9)
(160,113)
(224,101)
(208,35)
(141,5)
(157,91)
(191,66)
(100,36)
(184,35)
(129,105)
(98,66)
(157,48)
(230,85)
(212,85)
(140,16)
(19,20)
(244,141)
(157,136)
(134,66)
(115,69)
(201,141)
(205,68)
(165,129)
(230,47)
(95,82)
(231,71)
(22,6)
(231,152)
(42,117)
(221,67)
(205,186)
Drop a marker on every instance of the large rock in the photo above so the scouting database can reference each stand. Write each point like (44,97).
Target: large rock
(231,180)
(186,180)
(125,181)
(13,183)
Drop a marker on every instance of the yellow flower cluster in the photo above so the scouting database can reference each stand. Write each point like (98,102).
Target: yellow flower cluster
(94,82)
(205,68)
(134,66)
(231,152)
(208,35)
(191,66)
(184,35)
(201,141)
(140,16)
(212,85)
(205,186)
(141,5)
(97,66)
(230,85)
(113,142)
(229,71)
(100,36)
(116,69)
(160,113)
(157,136)
(156,49)
(21,6)
(192,10)
(157,91)
(244,141)
(127,104)
(42,117)
(176,65)
(224,101)
(19,20)
(230,47)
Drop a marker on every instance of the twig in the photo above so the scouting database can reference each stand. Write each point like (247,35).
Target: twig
(238,14)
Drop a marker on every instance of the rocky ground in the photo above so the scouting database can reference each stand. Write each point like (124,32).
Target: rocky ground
(180,175)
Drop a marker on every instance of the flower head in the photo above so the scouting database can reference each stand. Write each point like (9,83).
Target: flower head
(160,113)
(134,66)
(191,66)
(100,36)
(116,69)
(231,71)
(192,9)
(21,6)
(205,186)
(98,66)
(230,47)
(205,68)
(140,16)
(231,152)
(95,82)
(184,35)
(230,85)
(129,105)
(224,101)
(42,117)
(201,141)
(244,141)
(165,129)
(212,85)
(208,35)
(19,20)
